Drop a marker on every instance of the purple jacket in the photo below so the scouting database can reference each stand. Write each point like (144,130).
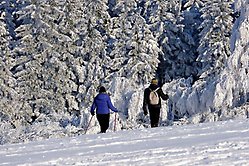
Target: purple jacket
(103,103)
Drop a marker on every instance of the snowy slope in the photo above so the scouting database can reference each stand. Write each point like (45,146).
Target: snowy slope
(217,143)
(221,98)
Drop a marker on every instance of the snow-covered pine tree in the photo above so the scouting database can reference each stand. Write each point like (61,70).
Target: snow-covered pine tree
(66,20)
(166,23)
(43,79)
(135,49)
(28,66)
(192,21)
(4,30)
(8,96)
(214,48)
(10,104)
(92,29)
(8,9)
(232,90)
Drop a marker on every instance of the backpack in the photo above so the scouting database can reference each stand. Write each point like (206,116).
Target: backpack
(154,98)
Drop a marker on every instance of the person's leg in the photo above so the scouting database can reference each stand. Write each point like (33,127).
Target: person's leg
(157,116)
(106,119)
(154,116)
(103,122)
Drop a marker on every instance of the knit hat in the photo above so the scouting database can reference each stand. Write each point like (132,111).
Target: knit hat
(154,81)
(102,89)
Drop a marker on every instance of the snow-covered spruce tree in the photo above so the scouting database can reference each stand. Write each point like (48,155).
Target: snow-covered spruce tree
(166,23)
(135,50)
(29,60)
(218,93)
(214,47)
(65,19)
(4,31)
(232,90)
(44,80)
(192,20)
(7,9)
(92,29)
(9,98)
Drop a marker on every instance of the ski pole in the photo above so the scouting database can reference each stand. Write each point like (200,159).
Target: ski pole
(115,121)
(160,118)
(88,124)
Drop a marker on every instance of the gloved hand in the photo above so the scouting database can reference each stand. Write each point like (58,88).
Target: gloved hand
(92,113)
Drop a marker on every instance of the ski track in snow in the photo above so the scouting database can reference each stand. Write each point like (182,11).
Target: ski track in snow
(219,143)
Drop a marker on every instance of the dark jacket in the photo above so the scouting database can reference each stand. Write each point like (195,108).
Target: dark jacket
(146,102)
(103,104)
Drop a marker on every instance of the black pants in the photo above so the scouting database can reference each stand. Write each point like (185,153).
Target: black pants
(103,122)
(154,115)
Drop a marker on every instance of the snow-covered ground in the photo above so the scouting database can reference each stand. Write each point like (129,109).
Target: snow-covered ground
(216,143)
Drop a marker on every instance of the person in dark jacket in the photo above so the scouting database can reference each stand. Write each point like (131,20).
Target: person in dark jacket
(154,109)
(102,103)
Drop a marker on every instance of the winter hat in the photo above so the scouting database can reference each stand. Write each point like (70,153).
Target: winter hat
(154,81)
(102,89)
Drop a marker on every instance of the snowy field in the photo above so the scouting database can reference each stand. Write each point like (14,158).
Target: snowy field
(218,143)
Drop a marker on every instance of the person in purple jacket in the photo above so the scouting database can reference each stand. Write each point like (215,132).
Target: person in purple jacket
(102,103)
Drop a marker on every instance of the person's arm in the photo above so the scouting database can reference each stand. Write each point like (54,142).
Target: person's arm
(93,107)
(162,95)
(145,103)
(110,105)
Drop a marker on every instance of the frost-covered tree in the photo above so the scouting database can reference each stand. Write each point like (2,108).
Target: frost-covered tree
(135,49)
(192,20)
(92,29)
(66,24)
(28,66)
(4,35)
(214,48)
(43,78)
(7,27)
(8,96)
(166,23)
(232,91)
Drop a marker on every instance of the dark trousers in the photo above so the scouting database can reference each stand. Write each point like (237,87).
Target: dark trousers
(103,122)
(154,115)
